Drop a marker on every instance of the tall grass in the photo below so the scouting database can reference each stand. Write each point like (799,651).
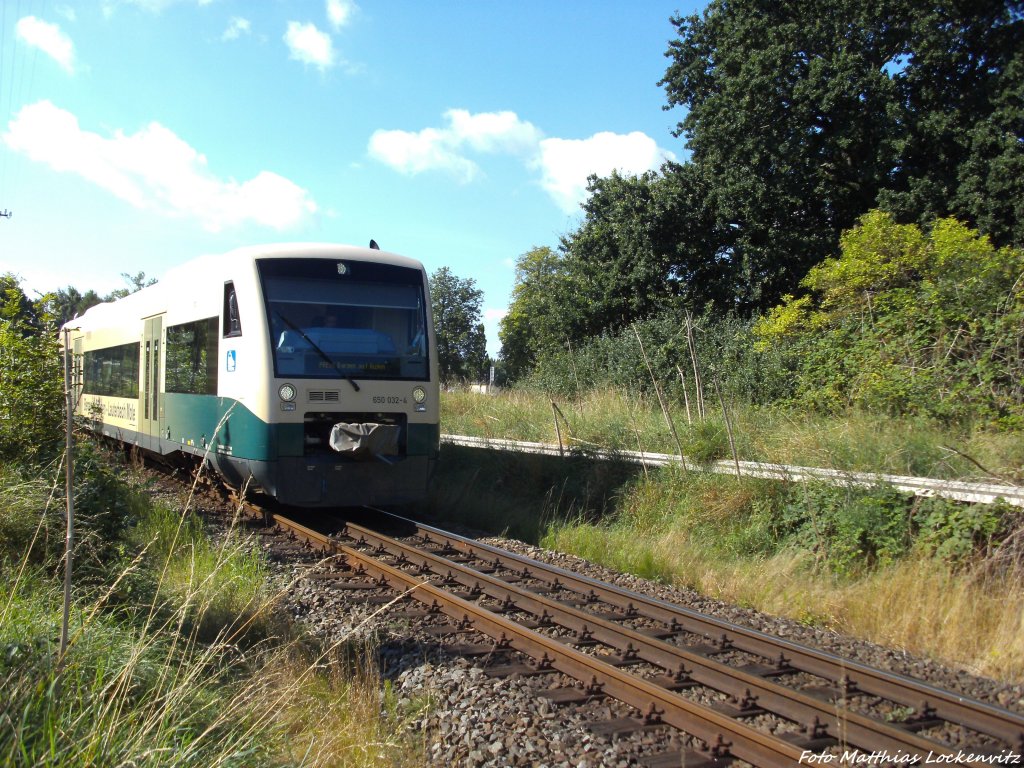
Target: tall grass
(178,657)
(857,441)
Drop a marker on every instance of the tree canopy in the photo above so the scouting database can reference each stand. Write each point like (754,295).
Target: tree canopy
(910,321)
(800,118)
(31,380)
(535,321)
(803,116)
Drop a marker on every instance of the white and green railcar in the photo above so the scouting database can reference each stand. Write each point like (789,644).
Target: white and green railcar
(307,371)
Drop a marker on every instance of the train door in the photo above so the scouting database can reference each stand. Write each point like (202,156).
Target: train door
(76,371)
(150,405)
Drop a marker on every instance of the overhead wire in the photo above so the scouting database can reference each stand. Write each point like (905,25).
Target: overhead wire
(3,112)
(23,96)
(13,81)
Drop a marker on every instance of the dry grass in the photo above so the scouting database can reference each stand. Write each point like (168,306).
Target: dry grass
(331,712)
(917,604)
(709,532)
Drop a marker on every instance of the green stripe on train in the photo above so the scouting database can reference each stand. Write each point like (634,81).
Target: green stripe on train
(193,419)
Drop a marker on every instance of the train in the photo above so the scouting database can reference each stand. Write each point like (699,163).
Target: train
(305,371)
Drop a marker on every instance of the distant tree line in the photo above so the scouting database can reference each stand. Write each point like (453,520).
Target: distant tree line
(68,303)
(801,119)
(461,342)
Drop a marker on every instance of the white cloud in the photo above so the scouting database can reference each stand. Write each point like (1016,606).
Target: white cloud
(428,150)
(237,27)
(49,39)
(339,12)
(492,131)
(66,11)
(492,314)
(566,163)
(443,149)
(153,169)
(309,45)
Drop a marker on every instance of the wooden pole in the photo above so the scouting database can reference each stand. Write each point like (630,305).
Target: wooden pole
(69,479)
(576,378)
(558,430)
(636,433)
(728,425)
(697,383)
(686,397)
(661,400)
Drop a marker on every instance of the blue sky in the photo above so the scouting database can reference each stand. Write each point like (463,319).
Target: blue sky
(137,134)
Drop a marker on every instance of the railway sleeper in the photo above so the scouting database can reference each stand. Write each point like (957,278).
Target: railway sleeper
(573,695)
(623,726)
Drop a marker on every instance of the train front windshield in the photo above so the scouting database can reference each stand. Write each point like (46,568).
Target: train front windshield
(345,319)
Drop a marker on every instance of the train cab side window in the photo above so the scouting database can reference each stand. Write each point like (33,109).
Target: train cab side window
(232,323)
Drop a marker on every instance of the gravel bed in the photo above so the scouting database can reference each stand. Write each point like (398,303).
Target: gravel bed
(471,719)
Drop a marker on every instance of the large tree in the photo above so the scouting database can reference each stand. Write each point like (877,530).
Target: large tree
(790,108)
(647,243)
(962,96)
(802,116)
(31,377)
(137,282)
(461,343)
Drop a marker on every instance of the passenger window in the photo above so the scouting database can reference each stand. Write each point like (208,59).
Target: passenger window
(232,323)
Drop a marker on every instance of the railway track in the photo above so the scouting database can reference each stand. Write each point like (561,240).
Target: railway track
(736,694)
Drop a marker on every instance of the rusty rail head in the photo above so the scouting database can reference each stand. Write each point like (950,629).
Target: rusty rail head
(709,726)
(714,729)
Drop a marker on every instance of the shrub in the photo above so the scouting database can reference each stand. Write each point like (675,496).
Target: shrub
(724,347)
(31,377)
(908,322)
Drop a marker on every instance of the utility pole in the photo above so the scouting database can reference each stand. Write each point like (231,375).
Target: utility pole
(69,465)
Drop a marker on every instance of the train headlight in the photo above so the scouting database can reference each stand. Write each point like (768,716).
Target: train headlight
(419,394)
(287,392)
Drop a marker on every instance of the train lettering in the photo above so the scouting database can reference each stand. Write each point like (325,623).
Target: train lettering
(125,411)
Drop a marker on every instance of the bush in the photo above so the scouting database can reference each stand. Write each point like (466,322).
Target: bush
(31,378)
(908,322)
(705,441)
(958,533)
(724,346)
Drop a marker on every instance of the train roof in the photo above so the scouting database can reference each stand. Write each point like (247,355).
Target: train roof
(222,266)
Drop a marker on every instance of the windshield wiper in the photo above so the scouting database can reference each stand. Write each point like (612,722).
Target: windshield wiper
(317,349)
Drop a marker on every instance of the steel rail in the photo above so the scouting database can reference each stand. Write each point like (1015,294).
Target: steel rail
(724,735)
(999,723)
(814,715)
(960,490)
